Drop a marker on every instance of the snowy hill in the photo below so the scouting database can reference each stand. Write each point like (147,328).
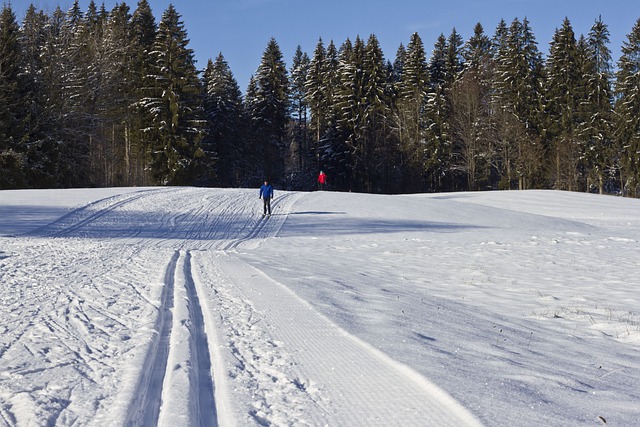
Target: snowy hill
(179,306)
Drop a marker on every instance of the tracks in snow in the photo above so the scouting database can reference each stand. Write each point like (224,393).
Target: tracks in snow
(222,324)
(288,356)
(179,218)
(176,385)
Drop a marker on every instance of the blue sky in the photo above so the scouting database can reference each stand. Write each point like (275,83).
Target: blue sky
(240,29)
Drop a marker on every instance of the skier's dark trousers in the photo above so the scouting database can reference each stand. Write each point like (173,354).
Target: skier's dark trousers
(266,194)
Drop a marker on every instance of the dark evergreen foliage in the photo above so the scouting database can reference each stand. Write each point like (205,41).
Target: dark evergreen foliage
(224,112)
(108,98)
(299,136)
(269,115)
(174,99)
(627,108)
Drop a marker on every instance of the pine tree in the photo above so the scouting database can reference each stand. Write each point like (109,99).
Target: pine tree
(517,104)
(270,112)
(176,105)
(351,104)
(438,148)
(41,154)
(224,111)
(138,136)
(12,161)
(470,98)
(441,160)
(454,61)
(398,63)
(376,153)
(299,107)
(627,109)
(563,100)
(410,126)
(596,130)
(314,89)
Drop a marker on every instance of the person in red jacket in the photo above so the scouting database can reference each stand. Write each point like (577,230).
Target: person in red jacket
(322,180)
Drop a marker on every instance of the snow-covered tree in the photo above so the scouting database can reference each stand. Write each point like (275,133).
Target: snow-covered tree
(362,108)
(175,101)
(299,109)
(517,104)
(224,112)
(11,105)
(595,132)
(41,150)
(409,120)
(627,109)
(269,113)
(470,120)
(563,90)
(323,87)
(143,30)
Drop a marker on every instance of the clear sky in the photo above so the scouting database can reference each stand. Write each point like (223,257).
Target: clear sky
(240,29)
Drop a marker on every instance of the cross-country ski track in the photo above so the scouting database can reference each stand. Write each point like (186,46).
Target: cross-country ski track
(181,306)
(215,326)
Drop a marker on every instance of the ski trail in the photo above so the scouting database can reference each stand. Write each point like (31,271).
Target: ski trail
(201,376)
(176,384)
(145,405)
(292,356)
(92,213)
(187,391)
(267,226)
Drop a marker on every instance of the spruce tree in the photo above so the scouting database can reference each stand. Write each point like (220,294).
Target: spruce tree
(224,112)
(470,99)
(398,64)
(299,107)
(175,102)
(438,153)
(139,139)
(70,63)
(314,89)
(56,167)
(627,109)
(41,154)
(454,61)
(270,113)
(254,155)
(517,104)
(117,75)
(12,161)
(351,103)
(596,129)
(563,100)
(376,150)
(410,125)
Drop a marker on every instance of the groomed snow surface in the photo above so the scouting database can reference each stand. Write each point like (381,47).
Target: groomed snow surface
(184,306)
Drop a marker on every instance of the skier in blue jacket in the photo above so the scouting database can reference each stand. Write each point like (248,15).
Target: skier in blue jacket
(266,194)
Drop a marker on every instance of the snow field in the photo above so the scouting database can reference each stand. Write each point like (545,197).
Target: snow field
(185,306)
(363,385)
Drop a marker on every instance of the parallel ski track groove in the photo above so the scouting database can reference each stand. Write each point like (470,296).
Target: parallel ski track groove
(114,203)
(201,375)
(255,229)
(145,406)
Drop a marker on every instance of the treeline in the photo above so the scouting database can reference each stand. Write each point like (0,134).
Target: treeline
(113,98)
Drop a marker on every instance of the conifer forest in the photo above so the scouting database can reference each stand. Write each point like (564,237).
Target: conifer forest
(101,98)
